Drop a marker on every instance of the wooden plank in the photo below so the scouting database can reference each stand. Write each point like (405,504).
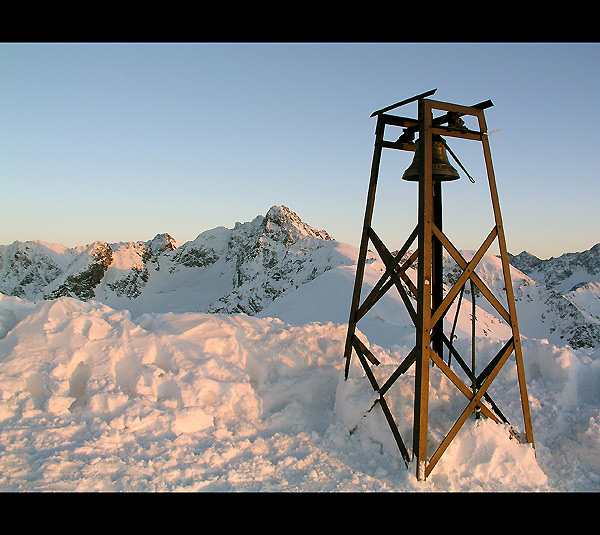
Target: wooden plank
(404,102)
(405,277)
(382,402)
(398,146)
(484,374)
(394,429)
(381,287)
(362,254)
(471,376)
(467,411)
(365,351)
(405,146)
(401,369)
(475,110)
(391,264)
(456,380)
(462,263)
(472,135)
(441,310)
(361,358)
(376,294)
(424,272)
(507,281)
(394,120)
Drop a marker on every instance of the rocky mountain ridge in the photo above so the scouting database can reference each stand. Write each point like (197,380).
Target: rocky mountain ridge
(274,259)
(565,273)
(543,311)
(262,258)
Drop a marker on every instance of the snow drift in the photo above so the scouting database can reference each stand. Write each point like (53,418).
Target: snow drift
(94,400)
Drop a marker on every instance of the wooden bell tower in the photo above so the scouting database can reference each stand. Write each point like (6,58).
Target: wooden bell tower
(431,304)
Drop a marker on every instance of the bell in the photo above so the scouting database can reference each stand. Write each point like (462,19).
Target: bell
(440,169)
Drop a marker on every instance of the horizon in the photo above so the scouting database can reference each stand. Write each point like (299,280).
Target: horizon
(116,141)
(146,240)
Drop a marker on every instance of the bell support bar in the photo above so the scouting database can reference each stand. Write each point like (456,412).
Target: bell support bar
(403,102)
(411,126)
(438,120)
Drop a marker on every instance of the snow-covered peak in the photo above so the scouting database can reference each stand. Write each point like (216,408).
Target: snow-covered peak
(101,251)
(161,243)
(269,256)
(280,219)
(526,262)
(203,251)
(564,273)
(27,267)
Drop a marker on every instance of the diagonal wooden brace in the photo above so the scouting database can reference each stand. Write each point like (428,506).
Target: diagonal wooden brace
(475,401)
(462,263)
(382,402)
(468,271)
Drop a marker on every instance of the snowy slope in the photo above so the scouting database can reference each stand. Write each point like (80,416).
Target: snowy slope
(543,312)
(563,273)
(576,277)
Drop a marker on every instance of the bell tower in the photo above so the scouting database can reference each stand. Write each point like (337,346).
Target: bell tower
(429,170)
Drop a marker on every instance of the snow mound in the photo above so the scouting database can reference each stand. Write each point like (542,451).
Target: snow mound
(91,399)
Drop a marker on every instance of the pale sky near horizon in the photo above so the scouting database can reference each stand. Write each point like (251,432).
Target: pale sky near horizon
(120,142)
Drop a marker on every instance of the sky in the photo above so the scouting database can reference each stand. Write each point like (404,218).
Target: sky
(123,141)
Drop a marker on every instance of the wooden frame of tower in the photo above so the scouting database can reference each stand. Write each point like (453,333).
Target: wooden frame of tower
(432,305)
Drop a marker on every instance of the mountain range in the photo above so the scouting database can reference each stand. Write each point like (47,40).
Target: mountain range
(277,265)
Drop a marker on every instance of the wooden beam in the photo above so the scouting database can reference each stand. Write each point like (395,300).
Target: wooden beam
(424,275)
(507,281)
(462,263)
(362,254)
(470,268)
(467,411)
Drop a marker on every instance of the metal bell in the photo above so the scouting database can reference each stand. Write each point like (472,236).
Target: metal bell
(440,169)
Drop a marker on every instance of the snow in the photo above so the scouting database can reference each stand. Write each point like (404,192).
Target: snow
(174,390)
(586,297)
(95,400)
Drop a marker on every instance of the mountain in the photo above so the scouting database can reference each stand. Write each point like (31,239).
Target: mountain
(571,291)
(26,268)
(278,266)
(565,273)
(222,270)
(575,275)
(542,311)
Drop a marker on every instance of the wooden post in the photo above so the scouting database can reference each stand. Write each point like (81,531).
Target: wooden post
(362,254)
(512,310)
(424,273)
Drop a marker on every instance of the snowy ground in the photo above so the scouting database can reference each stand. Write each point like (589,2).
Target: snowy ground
(92,399)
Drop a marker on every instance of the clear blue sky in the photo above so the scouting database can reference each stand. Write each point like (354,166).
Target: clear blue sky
(120,142)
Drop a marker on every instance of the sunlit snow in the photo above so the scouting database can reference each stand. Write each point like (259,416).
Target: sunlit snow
(103,397)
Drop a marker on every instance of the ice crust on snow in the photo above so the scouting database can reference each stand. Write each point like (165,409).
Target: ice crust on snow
(105,396)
